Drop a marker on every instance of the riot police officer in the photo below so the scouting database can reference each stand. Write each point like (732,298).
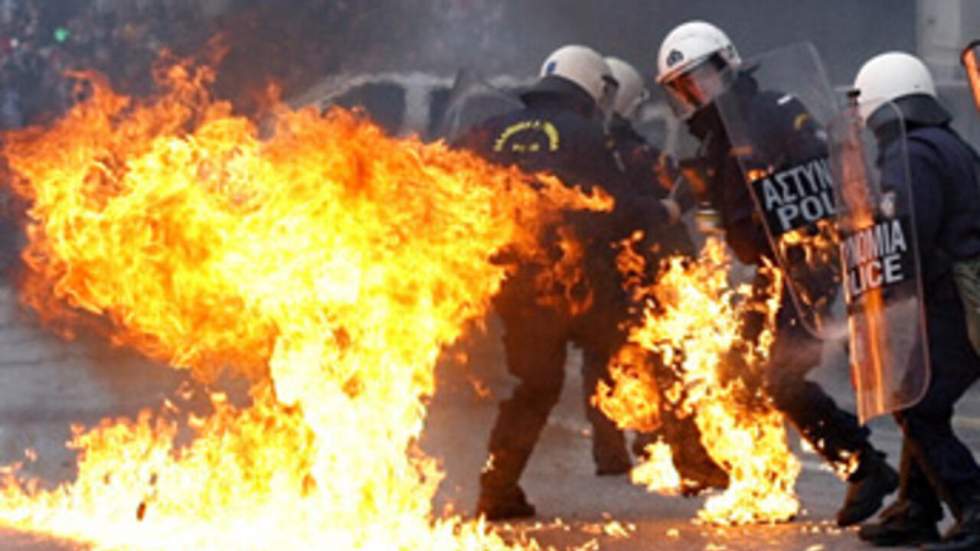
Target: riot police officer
(649,170)
(936,466)
(559,130)
(653,172)
(697,66)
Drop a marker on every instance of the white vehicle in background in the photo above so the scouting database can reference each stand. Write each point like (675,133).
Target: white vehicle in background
(414,102)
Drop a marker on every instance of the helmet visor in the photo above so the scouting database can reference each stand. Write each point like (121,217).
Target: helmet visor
(695,88)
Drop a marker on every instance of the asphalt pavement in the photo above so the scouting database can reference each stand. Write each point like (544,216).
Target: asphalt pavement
(46,384)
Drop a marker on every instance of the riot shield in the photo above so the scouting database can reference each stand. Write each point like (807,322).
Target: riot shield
(971,62)
(775,114)
(880,261)
(473,100)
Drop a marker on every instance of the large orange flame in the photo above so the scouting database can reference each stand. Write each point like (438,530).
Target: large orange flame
(325,261)
(692,322)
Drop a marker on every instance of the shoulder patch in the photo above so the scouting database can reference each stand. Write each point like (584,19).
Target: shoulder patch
(800,121)
(529,136)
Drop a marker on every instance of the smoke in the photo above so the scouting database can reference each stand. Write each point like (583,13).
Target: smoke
(295,43)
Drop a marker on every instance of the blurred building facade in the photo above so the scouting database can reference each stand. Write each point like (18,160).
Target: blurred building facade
(944,28)
(396,58)
(407,91)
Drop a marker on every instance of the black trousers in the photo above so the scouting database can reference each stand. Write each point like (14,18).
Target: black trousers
(834,433)
(936,464)
(535,342)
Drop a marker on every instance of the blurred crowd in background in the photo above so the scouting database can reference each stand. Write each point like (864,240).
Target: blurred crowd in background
(289,42)
(42,42)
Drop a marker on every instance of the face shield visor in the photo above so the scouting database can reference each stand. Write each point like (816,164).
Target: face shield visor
(971,60)
(693,89)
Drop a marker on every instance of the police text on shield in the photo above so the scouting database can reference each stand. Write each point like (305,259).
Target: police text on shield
(798,196)
(874,258)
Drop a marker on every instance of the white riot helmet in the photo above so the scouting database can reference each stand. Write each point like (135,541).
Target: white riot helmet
(584,67)
(631,91)
(903,79)
(694,64)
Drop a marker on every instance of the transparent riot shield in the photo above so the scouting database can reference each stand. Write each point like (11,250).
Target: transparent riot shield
(971,62)
(473,100)
(880,260)
(775,114)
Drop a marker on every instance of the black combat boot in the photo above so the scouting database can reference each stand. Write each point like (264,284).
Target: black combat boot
(504,504)
(903,523)
(964,535)
(867,488)
(609,451)
(614,466)
(698,471)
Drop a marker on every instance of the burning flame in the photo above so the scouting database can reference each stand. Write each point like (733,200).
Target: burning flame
(813,255)
(692,321)
(634,401)
(871,357)
(657,472)
(327,263)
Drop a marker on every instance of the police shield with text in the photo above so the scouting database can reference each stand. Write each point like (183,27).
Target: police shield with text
(558,129)
(790,181)
(942,171)
(880,263)
(768,145)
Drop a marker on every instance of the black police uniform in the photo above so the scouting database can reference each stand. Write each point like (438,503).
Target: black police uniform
(555,133)
(650,172)
(782,128)
(946,200)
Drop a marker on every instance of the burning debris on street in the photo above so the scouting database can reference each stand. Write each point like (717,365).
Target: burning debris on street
(163,224)
(691,325)
(295,212)
(328,264)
